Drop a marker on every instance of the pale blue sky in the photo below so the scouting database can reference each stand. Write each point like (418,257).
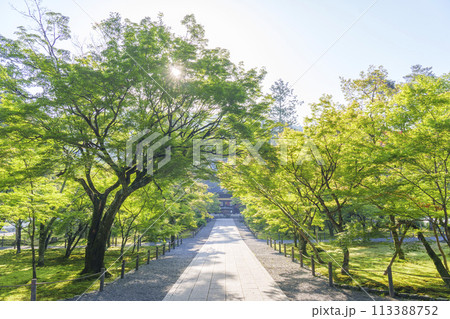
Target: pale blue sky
(287,37)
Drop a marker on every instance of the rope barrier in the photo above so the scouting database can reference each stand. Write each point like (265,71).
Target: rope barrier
(80,278)
(397,272)
(15,286)
(159,244)
(52,282)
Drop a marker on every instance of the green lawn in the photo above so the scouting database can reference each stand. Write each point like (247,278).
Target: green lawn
(16,270)
(369,261)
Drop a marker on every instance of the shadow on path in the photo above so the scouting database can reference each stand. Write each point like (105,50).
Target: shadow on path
(152,282)
(297,283)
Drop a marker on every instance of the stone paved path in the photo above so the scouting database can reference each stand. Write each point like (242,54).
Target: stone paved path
(225,269)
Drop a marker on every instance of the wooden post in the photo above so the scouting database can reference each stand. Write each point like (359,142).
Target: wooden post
(157,252)
(285,254)
(148,257)
(122,272)
(330,274)
(391,282)
(168,247)
(137,262)
(33,289)
(292,253)
(164,248)
(301,258)
(102,279)
(270,242)
(279,247)
(181,240)
(313,266)
(178,241)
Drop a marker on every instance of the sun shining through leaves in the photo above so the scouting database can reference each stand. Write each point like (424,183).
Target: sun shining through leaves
(175,72)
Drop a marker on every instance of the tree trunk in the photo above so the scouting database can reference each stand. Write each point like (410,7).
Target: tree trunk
(172,239)
(72,239)
(330,228)
(47,240)
(397,243)
(41,248)
(303,244)
(447,233)
(295,238)
(33,251)
(99,231)
(109,241)
(436,260)
(18,236)
(134,241)
(346,261)
(436,235)
(44,231)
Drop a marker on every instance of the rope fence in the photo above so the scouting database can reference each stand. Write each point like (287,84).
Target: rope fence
(160,249)
(304,260)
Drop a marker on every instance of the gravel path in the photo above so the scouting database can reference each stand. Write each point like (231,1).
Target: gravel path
(152,282)
(297,283)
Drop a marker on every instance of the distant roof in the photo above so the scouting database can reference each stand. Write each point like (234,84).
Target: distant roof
(224,195)
(214,187)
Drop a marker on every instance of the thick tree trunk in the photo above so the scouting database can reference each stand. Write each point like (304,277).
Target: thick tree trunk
(436,260)
(99,231)
(95,251)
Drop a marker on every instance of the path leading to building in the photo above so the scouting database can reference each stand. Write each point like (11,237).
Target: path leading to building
(224,261)
(225,269)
